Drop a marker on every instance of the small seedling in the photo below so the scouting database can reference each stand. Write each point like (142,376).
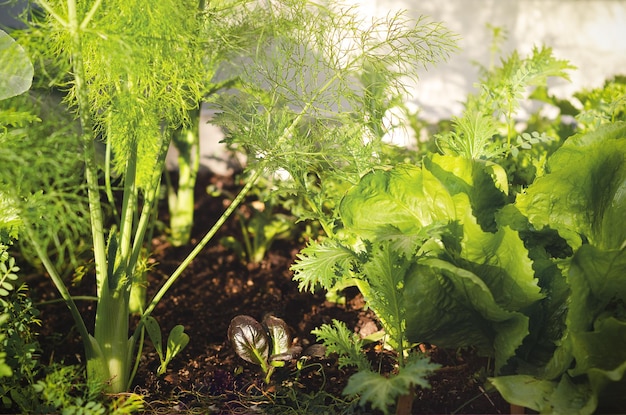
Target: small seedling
(267,345)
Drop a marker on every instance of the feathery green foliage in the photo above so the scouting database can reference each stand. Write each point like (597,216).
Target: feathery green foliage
(486,130)
(323,84)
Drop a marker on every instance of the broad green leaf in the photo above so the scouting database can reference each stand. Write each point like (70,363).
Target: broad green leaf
(154,332)
(600,353)
(547,397)
(16,69)
(407,197)
(597,284)
(501,260)
(176,342)
(584,190)
(597,279)
(452,307)
(485,184)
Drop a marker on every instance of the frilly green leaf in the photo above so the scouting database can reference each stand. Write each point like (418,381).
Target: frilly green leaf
(382,392)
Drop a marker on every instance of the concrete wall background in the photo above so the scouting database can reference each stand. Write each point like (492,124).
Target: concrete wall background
(591,34)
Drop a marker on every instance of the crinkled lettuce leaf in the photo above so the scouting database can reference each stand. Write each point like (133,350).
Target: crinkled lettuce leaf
(452,307)
(406,197)
(583,195)
(484,182)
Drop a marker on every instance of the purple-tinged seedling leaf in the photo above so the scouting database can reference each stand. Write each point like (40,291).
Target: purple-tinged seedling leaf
(249,340)
(279,334)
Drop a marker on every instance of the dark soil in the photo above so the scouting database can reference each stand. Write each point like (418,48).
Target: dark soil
(207,377)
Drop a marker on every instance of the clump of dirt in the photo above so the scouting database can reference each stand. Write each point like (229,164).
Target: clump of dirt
(208,376)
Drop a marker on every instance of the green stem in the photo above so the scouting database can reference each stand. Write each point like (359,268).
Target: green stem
(150,198)
(181,202)
(91,168)
(111,334)
(129,206)
(60,285)
(198,248)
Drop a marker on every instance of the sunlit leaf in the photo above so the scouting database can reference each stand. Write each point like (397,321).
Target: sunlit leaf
(16,69)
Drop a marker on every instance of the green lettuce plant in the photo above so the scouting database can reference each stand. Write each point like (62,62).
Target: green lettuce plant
(576,363)
(458,278)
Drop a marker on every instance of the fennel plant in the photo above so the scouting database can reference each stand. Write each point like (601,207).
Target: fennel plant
(133,71)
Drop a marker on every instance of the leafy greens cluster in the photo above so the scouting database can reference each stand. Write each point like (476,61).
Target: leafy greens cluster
(456,252)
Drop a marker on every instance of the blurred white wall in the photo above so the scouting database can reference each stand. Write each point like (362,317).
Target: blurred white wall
(591,34)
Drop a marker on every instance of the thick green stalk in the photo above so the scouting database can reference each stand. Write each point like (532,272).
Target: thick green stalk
(181,201)
(111,334)
(112,313)
(138,291)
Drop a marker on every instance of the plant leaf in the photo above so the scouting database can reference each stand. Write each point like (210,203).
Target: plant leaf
(279,335)
(154,332)
(322,263)
(545,396)
(452,307)
(374,388)
(385,272)
(382,392)
(176,341)
(484,182)
(339,339)
(249,340)
(16,69)
(407,197)
(584,191)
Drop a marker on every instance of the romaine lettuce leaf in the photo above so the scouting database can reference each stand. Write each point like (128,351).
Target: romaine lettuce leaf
(407,197)
(452,307)
(564,397)
(484,182)
(584,190)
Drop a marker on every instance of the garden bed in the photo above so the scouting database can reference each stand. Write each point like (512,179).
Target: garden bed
(209,377)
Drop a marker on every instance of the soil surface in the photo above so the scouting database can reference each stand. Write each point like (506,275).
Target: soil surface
(208,377)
